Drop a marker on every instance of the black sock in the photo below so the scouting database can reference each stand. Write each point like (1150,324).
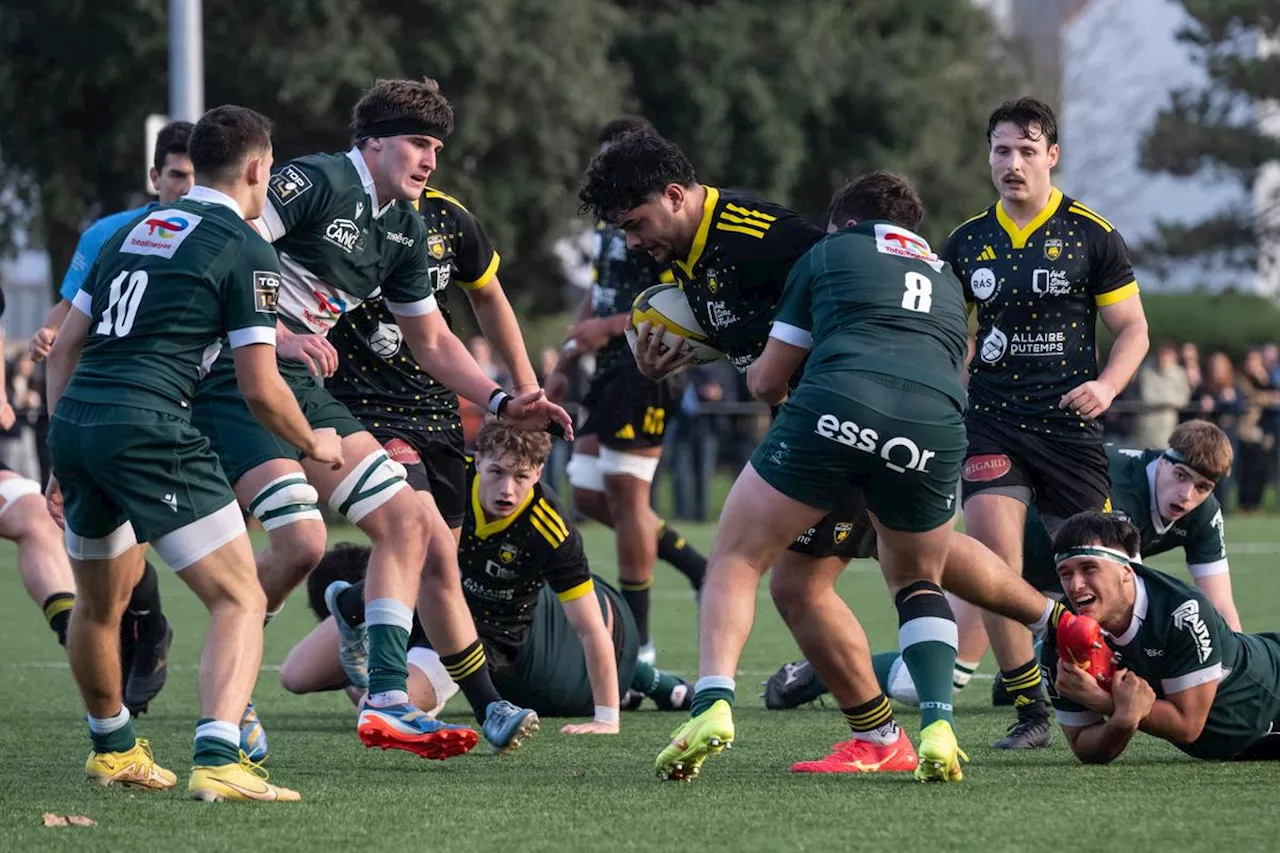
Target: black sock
(869,716)
(637,598)
(470,670)
(351,604)
(1026,687)
(144,607)
(57,611)
(673,549)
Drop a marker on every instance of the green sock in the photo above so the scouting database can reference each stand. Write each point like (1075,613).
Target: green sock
(709,690)
(882,664)
(928,636)
(388,663)
(653,682)
(114,734)
(217,742)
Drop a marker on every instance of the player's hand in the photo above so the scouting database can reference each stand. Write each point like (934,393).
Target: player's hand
(314,351)
(41,343)
(591,334)
(1133,696)
(592,728)
(557,386)
(53,501)
(7,416)
(654,363)
(534,412)
(1082,688)
(1089,400)
(326,448)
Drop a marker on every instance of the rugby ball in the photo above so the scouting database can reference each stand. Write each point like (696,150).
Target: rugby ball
(666,305)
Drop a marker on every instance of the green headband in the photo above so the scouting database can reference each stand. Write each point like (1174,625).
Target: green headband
(1178,459)
(1110,554)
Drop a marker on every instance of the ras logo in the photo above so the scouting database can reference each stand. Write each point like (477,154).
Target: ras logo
(899,453)
(1187,617)
(983,283)
(345,234)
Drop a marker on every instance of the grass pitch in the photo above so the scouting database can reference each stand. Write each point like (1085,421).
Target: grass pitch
(562,793)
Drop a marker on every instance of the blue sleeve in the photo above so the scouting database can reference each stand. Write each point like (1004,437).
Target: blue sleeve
(91,243)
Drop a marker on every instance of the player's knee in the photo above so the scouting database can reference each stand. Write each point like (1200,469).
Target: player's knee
(791,595)
(298,548)
(23,513)
(291,677)
(441,566)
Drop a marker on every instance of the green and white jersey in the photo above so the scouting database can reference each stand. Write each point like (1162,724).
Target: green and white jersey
(1201,532)
(1176,641)
(339,244)
(163,293)
(876,299)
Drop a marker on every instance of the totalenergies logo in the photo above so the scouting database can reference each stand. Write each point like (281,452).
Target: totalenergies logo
(166,227)
(334,306)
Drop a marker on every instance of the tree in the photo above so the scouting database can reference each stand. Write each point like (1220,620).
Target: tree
(1228,126)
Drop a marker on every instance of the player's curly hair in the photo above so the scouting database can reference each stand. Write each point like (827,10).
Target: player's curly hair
(419,101)
(224,138)
(878,195)
(346,561)
(1205,447)
(1034,118)
(632,168)
(498,439)
(1109,529)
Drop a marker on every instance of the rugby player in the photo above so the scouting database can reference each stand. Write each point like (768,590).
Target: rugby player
(548,644)
(129,468)
(1039,267)
(1182,674)
(346,231)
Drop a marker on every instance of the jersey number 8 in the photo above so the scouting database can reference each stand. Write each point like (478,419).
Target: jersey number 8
(123,304)
(919,293)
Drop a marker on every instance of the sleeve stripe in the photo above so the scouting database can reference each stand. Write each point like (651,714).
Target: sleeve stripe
(759,235)
(272,222)
(790,334)
(554,541)
(485,277)
(1209,674)
(758,214)
(751,223)
(551,519)
(584,588)
(420,308)
(252,335)
(1206,570)
(1078,208)
(553,515)
(83,303)
(1077,719)
(1120,294)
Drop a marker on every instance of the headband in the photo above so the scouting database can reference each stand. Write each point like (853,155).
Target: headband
(401,126)
(1111,554)
(1177,458)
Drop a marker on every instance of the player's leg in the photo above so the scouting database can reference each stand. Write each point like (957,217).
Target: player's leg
(587,480)
(628,475)
(43,566)
(637,677)
(312,664)
(277,494)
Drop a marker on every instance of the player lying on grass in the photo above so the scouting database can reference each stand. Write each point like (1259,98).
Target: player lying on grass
(1182,675)
(549,643)
(1167,493)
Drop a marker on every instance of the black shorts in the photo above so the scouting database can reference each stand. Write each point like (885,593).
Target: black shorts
(846,533)
(1064,478)
(434,462)
(627,410)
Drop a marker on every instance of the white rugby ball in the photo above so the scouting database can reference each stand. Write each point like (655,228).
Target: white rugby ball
(666,305)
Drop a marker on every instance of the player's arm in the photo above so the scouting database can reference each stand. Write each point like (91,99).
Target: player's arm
(87,248)
(1180,718)
(584,615)
(65,353)
(1206,551)
(790,339)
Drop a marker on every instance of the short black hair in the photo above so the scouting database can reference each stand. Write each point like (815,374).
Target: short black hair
(624,175)
(621,126)
(878,195)
(345,561)
(1024,113)
(172,139)
(224,137)
(1110,529)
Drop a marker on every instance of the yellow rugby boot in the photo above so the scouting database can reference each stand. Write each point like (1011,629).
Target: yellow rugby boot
(243,780)
(135,767)
(709,733)
(939,754)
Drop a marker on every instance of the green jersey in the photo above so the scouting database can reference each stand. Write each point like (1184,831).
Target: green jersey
(1201,532)
(1176,641)
(163,293)
(339,244)
(876,299)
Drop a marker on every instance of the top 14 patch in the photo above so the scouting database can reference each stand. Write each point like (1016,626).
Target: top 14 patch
(266,290)
(289,183)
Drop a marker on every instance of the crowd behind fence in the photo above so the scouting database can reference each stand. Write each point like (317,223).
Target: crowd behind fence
(717,425)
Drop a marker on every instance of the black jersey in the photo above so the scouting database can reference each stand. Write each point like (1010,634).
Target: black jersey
(505,563)
(737,268)
(618,276)
(1037,291)
(377,377)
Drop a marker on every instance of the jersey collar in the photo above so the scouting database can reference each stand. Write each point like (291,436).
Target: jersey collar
(704,226)
(1019,236)
(484,528)
(1140,602)
(366,180)
(1156,521)
(209,195)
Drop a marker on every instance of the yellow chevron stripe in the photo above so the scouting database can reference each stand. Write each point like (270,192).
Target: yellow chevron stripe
(759,235)
(549,526)
(59,606)
(552,515)
(753,223)
(577,591)
(430,193)
(467,665)
(1089,214)
(554,540)
(750,212)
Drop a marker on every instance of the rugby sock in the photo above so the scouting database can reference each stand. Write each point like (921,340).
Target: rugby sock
(114,734)
(388,623)
(469,669)
(57,612)
(928,637)
(872,721)
(709,690)
(144,607)
(351,604)
(674,549)
(1024,684)
(653,682)
(636,595)
(1050,618)
(963,673)
(217,742)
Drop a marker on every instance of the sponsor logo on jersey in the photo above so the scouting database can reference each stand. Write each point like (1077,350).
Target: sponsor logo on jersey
(841,531)
(892,240)
(160,233)
(359,209)
(440,275)
(986,467)
(402,451)
(385,340)
(397,237)
(289,183)
(508,553)
(435,246)
(266,290)
(1153,653)
(983,283)
(329,307)
(721,315)
(344,234)
(899,453)
(1050,283)
(1186,617)
(713,281)
(1053,248)
(806,537)
(993,346)
(498,572)
(479,590)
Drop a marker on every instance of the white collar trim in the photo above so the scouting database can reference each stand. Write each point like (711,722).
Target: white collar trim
(366,179)
(209,195)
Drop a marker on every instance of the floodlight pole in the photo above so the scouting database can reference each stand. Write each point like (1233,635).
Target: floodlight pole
(186,60)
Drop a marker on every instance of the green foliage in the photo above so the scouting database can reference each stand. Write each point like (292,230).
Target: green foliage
(1228,321)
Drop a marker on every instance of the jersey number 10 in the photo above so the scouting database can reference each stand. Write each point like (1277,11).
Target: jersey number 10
(919,293)
(124,305)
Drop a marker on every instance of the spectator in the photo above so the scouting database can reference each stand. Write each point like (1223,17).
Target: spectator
(1191,364)
(1163,390)
(1256,428)
(1220,401)
(18,449)
(1271,360)
(693,439)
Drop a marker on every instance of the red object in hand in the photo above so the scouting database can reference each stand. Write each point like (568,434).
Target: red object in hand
(1080,642)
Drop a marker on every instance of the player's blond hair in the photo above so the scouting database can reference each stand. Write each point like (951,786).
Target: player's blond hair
(1205,447)
(499,439)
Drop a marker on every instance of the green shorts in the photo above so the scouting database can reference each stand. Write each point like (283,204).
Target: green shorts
(900,442)
(135,475)
(238,440)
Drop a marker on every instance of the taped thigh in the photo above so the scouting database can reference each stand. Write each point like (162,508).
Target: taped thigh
(373,482)
(286,500)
